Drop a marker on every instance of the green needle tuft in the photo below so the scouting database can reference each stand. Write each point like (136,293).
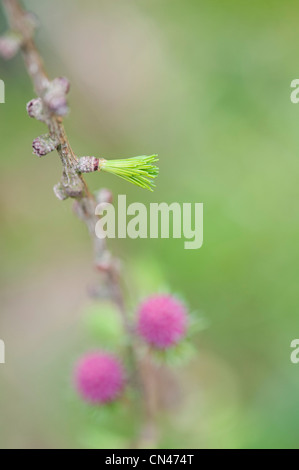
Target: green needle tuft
(137,170)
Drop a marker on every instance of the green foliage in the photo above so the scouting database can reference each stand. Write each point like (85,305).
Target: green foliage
(137,170)
(102,322)
(147,277)
(95,438)
(197,323)
(175,356)
(105,426)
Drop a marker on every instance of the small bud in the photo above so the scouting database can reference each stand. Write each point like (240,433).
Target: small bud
(57,105)
(10,44)
(87,164)
(55,96)
(63,83)
(99,377)
(35,109)
(162,321)
(43,144)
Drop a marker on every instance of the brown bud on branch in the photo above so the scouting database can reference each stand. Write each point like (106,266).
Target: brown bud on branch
(88,164)
(55,96)
(43,144)
(35,109)
(10,44)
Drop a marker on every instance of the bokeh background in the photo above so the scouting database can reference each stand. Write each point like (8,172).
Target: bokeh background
(206,85)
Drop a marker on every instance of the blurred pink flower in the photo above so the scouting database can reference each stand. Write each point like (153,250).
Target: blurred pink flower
(99,377)
(162,321)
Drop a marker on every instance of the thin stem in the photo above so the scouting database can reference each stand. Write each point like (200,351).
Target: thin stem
(73,185)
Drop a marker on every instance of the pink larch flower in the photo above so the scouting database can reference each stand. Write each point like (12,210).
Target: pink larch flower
(99,377)
(162,321)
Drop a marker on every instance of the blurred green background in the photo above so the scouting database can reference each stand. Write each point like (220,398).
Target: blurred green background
(206,85)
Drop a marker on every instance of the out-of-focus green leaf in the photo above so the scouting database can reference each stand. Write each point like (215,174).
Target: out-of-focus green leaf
(103,322)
